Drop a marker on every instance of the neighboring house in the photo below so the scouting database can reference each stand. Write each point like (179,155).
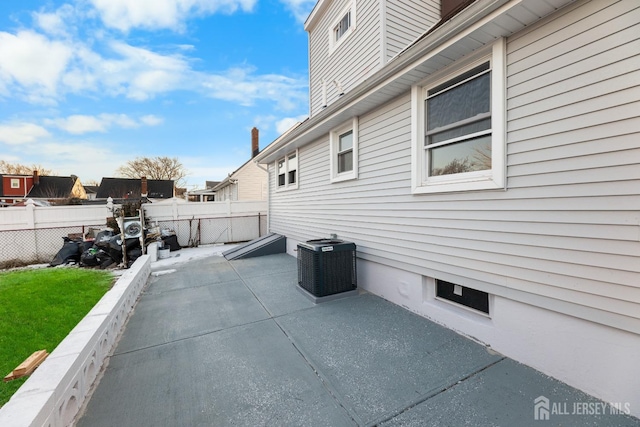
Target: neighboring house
(131,188)
(14,188)
(486,161)
(203,195)
(92,191)
(248,182)
(56,188)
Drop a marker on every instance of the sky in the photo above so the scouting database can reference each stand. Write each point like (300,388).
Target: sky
(86,85)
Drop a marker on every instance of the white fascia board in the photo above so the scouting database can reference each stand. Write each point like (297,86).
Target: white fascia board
(316,14)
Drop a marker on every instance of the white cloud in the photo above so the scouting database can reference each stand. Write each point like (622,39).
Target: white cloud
(80,124)
(88,160)
(162,14)
(285,124)
(44,68)
(55,23)
(140,73)
(21,133)
(33,61)
(151,120)
(300,8)
(242,86)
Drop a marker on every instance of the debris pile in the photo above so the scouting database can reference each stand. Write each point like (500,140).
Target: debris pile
(105,250)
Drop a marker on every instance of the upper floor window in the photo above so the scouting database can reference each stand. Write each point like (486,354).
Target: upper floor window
(342,27)
(15,183)
(458,142)
(344,151)
(287,169)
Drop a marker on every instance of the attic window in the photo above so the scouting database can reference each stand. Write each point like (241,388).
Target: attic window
(15,183)
(343,26)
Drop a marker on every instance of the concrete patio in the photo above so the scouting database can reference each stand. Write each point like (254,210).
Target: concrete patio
(213,342)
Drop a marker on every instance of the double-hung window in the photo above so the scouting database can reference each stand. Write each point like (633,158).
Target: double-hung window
(459,128)
(287,170)
(15,183)
(344,151)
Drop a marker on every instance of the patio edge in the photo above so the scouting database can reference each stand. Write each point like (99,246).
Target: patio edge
(54,394)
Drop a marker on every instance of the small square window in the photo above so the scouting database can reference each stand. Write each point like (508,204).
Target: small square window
(344,152)
(15,183)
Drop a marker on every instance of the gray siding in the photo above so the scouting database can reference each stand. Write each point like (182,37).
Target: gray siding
(351,62)
(565,235)
(406,20)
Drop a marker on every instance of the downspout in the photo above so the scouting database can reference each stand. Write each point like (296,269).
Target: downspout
(268,196)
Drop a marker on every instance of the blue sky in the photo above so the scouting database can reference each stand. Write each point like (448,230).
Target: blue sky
(86,85)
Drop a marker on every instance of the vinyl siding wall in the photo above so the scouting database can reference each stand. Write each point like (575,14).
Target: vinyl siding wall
(406,20)
(251,182)
(352,61)
(565,235)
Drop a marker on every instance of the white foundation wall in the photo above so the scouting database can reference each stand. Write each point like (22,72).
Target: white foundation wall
(599,360)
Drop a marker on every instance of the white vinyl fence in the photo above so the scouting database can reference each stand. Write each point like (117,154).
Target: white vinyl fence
(32,234)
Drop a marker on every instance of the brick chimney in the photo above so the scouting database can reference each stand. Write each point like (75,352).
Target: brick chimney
(36,178)
(143,186)
(255,145)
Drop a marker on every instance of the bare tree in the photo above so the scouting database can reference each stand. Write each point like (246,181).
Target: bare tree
(154,168)
(18,169)
(454,166)
(482,156)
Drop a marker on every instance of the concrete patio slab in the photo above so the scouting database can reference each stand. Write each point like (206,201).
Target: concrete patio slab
(205,271)
(200,350)
(248,376)
(263,266)
(504,395)
(275,293)
(168,316)
(379,357)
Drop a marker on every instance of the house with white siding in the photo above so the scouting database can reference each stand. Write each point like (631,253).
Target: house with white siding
(248,182)
(485,158)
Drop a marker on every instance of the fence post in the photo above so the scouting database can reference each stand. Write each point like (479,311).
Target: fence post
(31,225)
(31,214)
(259,224)
(174,207)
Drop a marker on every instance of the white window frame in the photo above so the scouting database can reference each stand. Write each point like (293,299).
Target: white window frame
(15,183)
(333,43)
(334,141)
(287,185)
(492,179)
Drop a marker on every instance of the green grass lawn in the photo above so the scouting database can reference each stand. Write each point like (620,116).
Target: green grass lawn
(38,308)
